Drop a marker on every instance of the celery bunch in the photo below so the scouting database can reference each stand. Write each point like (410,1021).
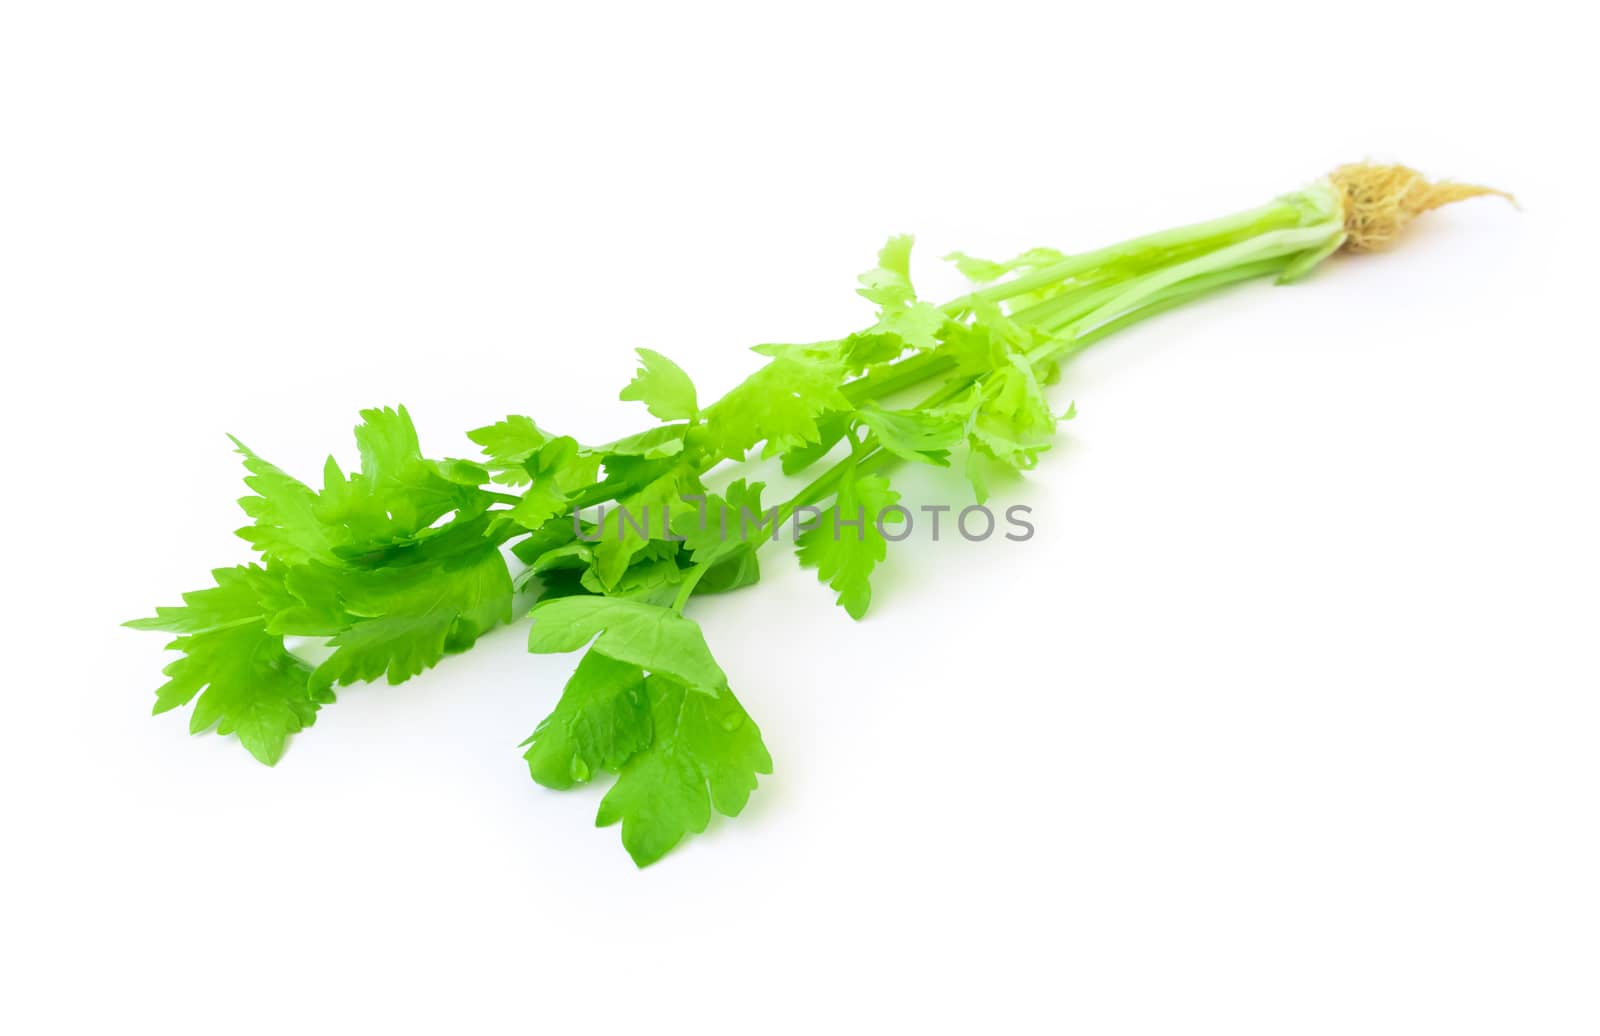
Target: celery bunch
(401,562)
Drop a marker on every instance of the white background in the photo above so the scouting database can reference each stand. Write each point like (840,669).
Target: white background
(1286,722)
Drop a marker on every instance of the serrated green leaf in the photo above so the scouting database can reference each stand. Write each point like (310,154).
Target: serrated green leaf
(722,524)
(831,430)
(917,325)
(405,619)
(658,639)
(396,498)
(657,443)
(556,473)
(915,435)
(870,348)
(246,682)
(705,754)
(778,404)
(662,387)
(602,719)
(889,283)
(286,526)
(508,444)
(900,314)
(984,270)
(1013,423)
(846,545)
(724,534)
(653,580)
(625,531)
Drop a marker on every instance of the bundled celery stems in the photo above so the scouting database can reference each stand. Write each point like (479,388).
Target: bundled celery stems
(384,571)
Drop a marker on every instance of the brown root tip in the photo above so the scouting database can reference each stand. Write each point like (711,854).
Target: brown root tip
(1379,200)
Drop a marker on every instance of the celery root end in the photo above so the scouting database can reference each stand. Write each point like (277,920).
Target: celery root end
(1379,200)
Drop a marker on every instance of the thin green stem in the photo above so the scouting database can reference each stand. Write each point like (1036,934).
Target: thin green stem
(1170,299)
(896,377)
(1271,245)
(1151,247)
(686,588)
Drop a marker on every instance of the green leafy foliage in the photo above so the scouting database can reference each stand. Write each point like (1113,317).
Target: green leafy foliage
(508,444)
(555,473)
(724,524)
(286,527)
(653,580)
(705,754)
(247,683)
(831,431)
(397,495)
(847,543)
(724,536)
(923,436)
(393,563)
(1010,422)
(404,619)
(602,719)
(900,313)
(657,443)
(662,387)
(778,404)
(399,563)
(654,638)
(626,532)
(982,271)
